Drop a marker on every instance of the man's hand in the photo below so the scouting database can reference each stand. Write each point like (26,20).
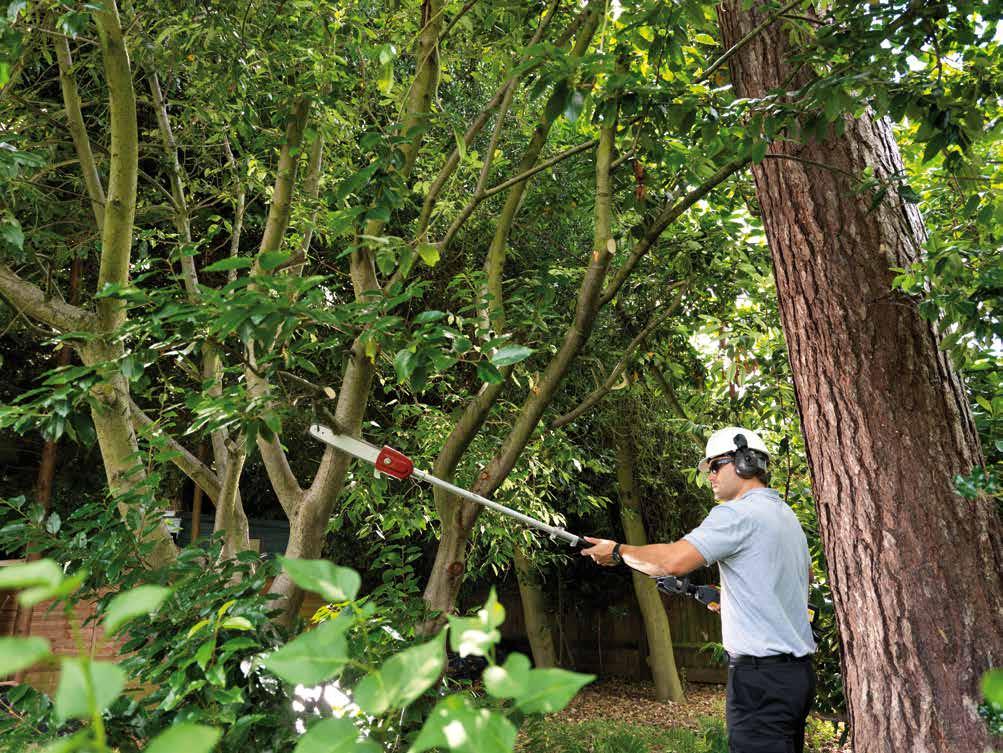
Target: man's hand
(601,553)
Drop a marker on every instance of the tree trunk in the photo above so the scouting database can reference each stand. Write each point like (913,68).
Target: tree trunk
(661,659)
(914,567)
(534,612)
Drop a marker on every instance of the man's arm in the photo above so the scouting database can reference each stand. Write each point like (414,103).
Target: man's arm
(677,558)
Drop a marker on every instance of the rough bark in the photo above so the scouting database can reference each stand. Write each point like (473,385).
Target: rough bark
(914,567)
(534,611)
(661,660)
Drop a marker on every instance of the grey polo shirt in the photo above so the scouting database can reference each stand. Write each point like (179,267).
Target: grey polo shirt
(763,556)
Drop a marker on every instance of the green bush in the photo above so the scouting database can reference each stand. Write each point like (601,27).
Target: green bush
(222,674)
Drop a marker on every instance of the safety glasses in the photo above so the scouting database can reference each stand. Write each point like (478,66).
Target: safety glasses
(717,464)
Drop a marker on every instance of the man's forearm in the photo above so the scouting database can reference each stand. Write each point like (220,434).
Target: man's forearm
(659,559)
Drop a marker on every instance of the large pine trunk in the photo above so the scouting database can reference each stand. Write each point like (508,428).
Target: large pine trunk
(914,567)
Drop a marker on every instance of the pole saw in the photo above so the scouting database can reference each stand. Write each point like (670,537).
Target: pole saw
(395,463)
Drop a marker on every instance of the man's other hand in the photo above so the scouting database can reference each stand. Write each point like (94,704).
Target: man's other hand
(602,551)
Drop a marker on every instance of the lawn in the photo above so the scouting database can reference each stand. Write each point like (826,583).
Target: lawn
(614,716)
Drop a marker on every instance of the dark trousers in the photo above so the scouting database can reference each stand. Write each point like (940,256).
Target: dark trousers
(767,706)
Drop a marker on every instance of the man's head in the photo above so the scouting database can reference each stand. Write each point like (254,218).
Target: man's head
(735,461)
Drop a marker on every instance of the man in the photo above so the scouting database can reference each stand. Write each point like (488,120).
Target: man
(765,567)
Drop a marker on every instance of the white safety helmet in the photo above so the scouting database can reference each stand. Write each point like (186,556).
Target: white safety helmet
(725,442)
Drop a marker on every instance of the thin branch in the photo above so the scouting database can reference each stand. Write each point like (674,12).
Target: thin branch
(455,19)
(453,160)
(78,131)
(673,400)
(813,163)
(238,210)
(746,39)
(182,220)
(666,217)
(606,387)
(540,167)
(190,465)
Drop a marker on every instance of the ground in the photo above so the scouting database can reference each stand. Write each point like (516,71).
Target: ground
(618,705)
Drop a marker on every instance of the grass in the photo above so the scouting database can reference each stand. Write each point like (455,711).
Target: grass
(542,735)
(598,736)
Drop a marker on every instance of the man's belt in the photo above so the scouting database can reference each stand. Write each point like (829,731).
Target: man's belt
(742,660)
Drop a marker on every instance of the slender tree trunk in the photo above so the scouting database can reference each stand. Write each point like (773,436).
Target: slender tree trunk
(447,573)
(534,612)
(915,568)
(661,658)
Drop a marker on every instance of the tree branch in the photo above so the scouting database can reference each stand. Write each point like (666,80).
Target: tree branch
(190,465)
(475,128)
(604,389)
(673,400)
(666,217)
(182,219)
(746,39)
(285,180)
(238,210)
(32,301)
(78,131)
(120,208)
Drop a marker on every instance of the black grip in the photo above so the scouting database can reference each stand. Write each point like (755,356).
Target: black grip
(582,543)
(707,595)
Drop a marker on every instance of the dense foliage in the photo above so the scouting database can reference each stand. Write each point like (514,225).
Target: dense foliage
(397,218)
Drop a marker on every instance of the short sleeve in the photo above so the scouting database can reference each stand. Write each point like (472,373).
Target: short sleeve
(721,535)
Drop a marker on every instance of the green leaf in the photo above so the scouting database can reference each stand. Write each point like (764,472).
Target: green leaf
(510,680)
(190,738)
(203,655)
(333,583)
(71,700)
(476,635)
(10,231)
(455,724)
(69,743)
(131,604)
(704,39)
(488,373)
(992,686)
(20,653)
(404,363)
(237,623)
(232,262)
(65,587)
(403,677)
(196,627)
(269,260)
(334,736)
(574,106)
(461,144)
(429,253)
(313,657)
(550,690)
(510,354)
(54,523)
(29,574)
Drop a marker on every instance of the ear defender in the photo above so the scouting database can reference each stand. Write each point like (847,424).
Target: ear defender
(748,462)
